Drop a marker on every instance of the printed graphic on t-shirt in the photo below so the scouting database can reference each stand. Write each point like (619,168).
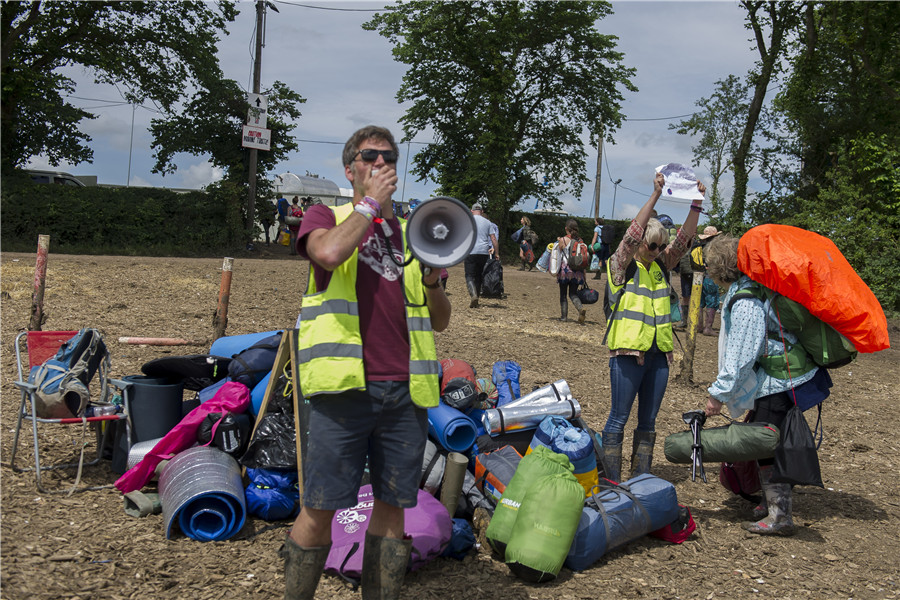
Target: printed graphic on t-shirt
(374,253)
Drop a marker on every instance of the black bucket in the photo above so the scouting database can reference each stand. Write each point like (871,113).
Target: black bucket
(155,406)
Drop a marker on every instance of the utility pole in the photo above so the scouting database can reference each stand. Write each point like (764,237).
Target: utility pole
(597,178)
(257,68)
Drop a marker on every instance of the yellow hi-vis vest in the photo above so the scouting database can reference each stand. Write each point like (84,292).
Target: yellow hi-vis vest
(644,311)
(330,352)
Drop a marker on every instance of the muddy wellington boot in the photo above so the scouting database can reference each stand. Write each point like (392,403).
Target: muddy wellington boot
(524,266)
(779,520)
(642,452)
(563,311)
(473,293)
(385,561)
(576,302)
(302,569)
(611,458)
(709,315)
(761,510)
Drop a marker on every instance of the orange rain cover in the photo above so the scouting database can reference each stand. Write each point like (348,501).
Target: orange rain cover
(808,268)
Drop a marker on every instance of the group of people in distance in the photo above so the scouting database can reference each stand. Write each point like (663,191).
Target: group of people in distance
(369,369)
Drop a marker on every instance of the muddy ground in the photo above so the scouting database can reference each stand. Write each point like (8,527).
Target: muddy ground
(86,546)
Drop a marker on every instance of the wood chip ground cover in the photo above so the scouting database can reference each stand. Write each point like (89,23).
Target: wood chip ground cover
(86,546)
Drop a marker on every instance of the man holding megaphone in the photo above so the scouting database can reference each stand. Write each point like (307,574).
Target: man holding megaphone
(368,366)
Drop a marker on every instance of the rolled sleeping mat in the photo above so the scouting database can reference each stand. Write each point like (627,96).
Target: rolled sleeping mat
(138,451)
(201,488)
(506,419)
(454,473)
(558,391)
(451,428)
(259,393)
(230,345)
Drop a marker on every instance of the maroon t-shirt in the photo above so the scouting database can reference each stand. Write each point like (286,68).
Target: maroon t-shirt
(382,311)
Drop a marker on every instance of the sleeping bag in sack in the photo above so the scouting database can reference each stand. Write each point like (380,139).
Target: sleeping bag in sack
(728,443)
(577,445)
(272,495)
(493,471)
(505,375)
(549,428)
(428,524)
(545,528)
(618,514)
(459,387)
(808,268)
(540,463)
(492,279)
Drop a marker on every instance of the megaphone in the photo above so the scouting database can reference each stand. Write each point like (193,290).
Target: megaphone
(440,232)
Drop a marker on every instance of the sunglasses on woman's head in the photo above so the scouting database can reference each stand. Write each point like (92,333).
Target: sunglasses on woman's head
(653,246)
(371,155)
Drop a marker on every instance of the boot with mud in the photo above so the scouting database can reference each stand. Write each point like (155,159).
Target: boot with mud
(709,315)
(385,561)
(642,452)
(473,293)
(779,503)
(302,569)
(563,311)
(576,302)
(611,458)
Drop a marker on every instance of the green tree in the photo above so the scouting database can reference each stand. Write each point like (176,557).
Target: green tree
(507,88)
(717,124)
(771,23)
(152,50)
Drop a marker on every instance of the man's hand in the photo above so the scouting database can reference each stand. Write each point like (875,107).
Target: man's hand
(713,407)
(700,187)
(381,185)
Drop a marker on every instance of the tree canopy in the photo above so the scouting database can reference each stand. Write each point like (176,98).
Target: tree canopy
(508,90)
(151,50)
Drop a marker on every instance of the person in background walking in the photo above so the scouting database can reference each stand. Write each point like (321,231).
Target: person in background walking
(368,367)
(526,252)
(709,296)
(639,331)
(485,245)
(569,279)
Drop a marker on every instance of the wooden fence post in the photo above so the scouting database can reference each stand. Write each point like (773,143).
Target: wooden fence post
(220,321)
(686,375)
(40,283)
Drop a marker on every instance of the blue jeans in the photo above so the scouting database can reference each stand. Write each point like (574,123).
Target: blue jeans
(628,380)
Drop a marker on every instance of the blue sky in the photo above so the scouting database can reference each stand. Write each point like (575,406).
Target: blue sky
(347,75)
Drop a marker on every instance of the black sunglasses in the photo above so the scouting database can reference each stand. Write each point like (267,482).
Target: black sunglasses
(653,246)
(371,155)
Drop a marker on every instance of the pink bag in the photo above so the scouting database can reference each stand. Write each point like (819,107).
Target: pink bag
(428,523)
(232,397)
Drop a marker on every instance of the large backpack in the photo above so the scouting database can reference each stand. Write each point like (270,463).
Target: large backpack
(815,338)
(492,279)
(577,255)
(62,381)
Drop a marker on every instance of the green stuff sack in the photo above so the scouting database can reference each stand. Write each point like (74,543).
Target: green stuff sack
(544,530)
(734,442)
(541,462)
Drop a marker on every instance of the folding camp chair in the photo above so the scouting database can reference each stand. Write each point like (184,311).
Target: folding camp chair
(33,348)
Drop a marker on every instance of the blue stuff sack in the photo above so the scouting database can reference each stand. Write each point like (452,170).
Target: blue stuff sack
(272,495)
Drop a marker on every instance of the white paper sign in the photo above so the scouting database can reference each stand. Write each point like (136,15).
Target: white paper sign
(681,183)
(253,137)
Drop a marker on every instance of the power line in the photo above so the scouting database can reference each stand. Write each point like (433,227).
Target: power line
(661,118)
(330,7)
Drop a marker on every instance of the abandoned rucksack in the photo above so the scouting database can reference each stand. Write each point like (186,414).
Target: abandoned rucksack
(532,237)
(62,381)
(577,256)
(250,366)
(815,338)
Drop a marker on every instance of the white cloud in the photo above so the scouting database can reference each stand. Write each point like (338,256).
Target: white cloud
(198,175)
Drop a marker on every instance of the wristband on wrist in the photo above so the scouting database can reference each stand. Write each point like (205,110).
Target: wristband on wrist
(365,210)
(373,204)
(697,207)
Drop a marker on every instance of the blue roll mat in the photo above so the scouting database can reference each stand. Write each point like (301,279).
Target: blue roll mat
(211,517)
(451,428)
(258,393)
(230,345)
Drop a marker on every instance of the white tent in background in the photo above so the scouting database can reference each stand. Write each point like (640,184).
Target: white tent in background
(319,189)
